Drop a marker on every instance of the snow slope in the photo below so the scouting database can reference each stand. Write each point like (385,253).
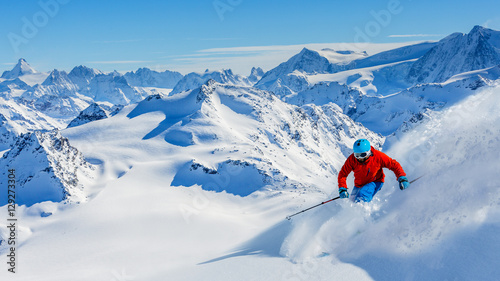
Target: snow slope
(380,80)
(444,227)
(194,174)
(17,119)
(138,228)
(220,130)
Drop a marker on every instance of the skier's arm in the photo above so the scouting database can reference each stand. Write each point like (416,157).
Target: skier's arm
(393,165)
(344,172)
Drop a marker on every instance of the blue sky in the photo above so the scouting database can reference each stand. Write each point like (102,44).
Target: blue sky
(190,35)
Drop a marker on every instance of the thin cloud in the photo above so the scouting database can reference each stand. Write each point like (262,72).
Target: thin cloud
(214,39)
(414,35)
(371,48)
(120,62)
(492,23)
(242,59)
(117,41)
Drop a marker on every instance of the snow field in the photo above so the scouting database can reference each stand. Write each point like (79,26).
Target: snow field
(141,227)
(196,186)
(444,226)
(137,225)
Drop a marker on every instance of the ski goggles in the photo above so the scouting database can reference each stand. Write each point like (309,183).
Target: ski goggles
(362,155)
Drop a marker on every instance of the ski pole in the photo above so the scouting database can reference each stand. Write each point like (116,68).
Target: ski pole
(289,217)
(416,179)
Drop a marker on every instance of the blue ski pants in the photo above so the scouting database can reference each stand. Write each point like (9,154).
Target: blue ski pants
(366,192)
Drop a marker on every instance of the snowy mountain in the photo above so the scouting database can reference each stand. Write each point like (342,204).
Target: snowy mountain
(11,87)
(255,75)
(20,69)
(47,168)
(290,74)
(82,75)
(25,72)
(194,80)
(458,53)
(359,70)
(40,101)
(113,88)
(375,90)
(275,137)
(401,54)
(311,61)
(17,119)
(93,113)
(145,77)
(57,97)
(399,111)
(59,78)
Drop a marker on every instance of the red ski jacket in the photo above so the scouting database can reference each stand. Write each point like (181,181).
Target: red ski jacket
(370,170)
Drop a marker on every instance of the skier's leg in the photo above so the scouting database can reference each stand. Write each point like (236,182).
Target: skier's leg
(366,193)
(354,193)
(378,187)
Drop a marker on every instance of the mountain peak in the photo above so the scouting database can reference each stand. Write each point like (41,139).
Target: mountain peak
(257,71)
(255,74)
(458,53)
(477,29)
(481,32)
(452,36)
(206,90)
(84,70)
(55,169)
(145,77)
(82,75)
(309,55)
(290,73)
(57,77)
(306,50)
(194,80)
(21,68)
(93,112)
(24,65)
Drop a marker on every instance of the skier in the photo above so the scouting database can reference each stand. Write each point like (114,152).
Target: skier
(367,164)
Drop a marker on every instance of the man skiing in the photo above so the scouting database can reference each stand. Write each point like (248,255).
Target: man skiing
(367,164)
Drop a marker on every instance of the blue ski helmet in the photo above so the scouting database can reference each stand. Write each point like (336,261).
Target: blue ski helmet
(361,145)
